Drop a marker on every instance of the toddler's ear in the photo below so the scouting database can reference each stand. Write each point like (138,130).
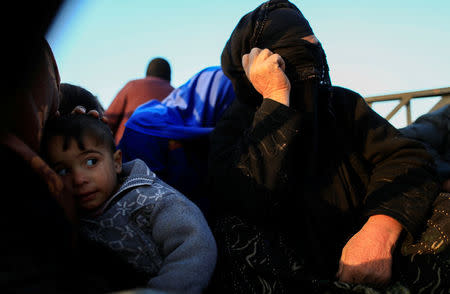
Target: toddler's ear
(118,161)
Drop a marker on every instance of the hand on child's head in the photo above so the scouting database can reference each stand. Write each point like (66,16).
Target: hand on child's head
(82,110)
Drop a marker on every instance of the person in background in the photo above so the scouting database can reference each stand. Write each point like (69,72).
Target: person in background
(172,136)
(36,222)
(427,258)
(433,130)
(156,85)
(41,248)
(72,96)
(128,209)
(309,183)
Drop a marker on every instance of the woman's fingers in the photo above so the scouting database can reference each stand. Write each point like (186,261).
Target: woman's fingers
(79,109)
(82,110)
(265,71)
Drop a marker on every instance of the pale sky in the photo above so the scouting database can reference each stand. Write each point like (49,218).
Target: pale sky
(373,47)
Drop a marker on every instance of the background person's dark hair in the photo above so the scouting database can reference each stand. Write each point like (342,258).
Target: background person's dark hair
(159,67)
(77,126)
(72,96)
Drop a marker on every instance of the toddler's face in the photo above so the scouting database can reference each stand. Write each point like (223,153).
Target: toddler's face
(89,175)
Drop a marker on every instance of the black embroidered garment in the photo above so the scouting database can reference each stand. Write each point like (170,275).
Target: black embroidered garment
(309,174)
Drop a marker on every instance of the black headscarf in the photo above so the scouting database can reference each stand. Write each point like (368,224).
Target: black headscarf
(279,26)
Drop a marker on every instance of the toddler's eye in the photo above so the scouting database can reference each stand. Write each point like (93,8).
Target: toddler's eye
(91,161)
(62,171)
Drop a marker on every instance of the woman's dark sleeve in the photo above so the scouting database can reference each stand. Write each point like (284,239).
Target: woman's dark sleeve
(248,150)
(403,182)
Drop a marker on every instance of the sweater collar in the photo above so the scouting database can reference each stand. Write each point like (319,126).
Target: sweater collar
(134,173)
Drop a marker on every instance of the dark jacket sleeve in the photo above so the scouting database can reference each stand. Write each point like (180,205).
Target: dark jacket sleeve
(403,181)
(432,129)
(248,148)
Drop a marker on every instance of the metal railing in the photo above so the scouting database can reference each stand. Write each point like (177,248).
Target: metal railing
(405,99)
